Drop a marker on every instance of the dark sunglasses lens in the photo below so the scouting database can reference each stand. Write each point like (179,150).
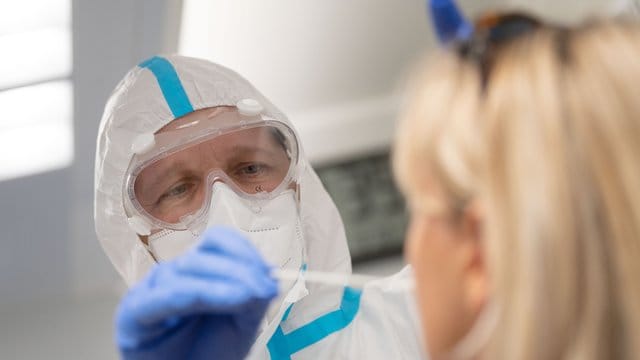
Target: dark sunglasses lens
(512,26)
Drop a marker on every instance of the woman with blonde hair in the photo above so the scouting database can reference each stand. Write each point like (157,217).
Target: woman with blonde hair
(519,155)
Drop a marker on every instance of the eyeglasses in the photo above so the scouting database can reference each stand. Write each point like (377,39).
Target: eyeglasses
(492,32)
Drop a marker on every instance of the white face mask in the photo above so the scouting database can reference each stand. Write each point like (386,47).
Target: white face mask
(272,226)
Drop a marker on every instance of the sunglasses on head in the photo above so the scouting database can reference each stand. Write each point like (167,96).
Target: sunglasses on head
(493,31)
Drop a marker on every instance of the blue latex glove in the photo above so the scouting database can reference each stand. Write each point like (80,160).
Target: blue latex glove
(207,303)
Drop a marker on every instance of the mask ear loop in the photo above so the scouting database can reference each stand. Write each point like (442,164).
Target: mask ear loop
(477,338)
(299,289)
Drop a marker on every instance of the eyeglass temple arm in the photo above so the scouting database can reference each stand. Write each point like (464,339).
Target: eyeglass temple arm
(448,21)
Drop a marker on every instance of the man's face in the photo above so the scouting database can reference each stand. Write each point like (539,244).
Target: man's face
(177,185)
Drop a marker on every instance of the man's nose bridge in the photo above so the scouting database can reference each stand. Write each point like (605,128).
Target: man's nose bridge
(211,154)
(216,174)
(213,165)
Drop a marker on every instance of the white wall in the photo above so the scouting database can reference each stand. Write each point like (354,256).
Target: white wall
(309,53)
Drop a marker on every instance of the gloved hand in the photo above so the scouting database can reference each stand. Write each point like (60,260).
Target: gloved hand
(207,303)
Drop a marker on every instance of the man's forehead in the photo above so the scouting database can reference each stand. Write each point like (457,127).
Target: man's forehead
(224,147)
(207,114)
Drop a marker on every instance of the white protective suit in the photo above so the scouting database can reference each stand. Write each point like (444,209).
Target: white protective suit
(379,322)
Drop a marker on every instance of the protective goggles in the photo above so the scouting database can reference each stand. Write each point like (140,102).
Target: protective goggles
(169,179)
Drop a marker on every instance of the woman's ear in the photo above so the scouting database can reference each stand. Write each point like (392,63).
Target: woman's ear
(475,272)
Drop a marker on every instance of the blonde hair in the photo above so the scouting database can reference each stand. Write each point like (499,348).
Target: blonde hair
(550,145)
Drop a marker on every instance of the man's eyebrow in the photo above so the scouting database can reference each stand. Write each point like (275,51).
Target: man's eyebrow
(164,171)
(243,149)
(252,148)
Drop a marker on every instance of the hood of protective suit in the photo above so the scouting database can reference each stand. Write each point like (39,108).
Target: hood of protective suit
(150,96)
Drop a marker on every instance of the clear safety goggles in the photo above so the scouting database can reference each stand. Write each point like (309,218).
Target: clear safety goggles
(170,177)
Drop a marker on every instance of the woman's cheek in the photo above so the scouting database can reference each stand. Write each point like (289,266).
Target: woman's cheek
(415,255)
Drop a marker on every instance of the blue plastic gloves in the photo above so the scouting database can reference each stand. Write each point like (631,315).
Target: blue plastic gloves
(205,304)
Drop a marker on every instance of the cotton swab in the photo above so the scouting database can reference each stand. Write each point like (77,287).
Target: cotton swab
(356,281)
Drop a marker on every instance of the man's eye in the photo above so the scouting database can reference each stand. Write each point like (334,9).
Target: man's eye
(175,191)
(252,169)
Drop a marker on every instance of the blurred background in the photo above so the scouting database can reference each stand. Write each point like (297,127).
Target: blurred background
(335,67)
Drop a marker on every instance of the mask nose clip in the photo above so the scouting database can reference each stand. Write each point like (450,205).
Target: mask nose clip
(255,204)
(214,178)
